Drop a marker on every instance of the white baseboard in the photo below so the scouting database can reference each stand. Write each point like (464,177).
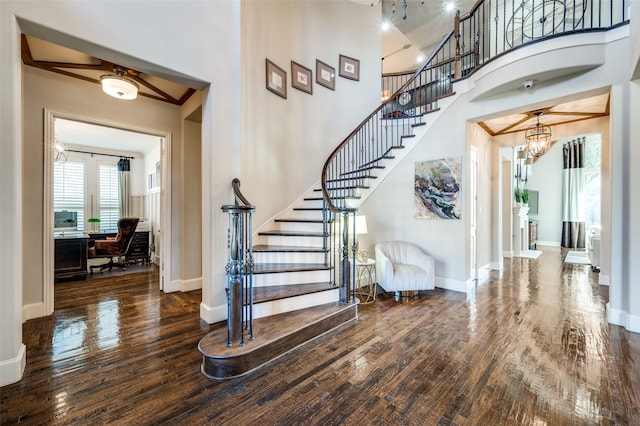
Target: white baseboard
(496,266)
(484,272)
(507,254)
(449,284)
(603,279)
(192,284)
(213,314)
(32,310)
(623,319)
(11,370)
(548,243)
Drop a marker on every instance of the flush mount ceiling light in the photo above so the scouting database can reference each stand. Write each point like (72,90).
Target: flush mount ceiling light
(538,138)
(118,85)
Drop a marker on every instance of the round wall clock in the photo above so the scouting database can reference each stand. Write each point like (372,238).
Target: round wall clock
(404,98)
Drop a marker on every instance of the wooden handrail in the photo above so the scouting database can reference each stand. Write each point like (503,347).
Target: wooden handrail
(325,192)
(235,184)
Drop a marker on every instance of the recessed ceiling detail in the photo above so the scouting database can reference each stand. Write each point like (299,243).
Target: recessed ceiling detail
(569,112)
(51,57)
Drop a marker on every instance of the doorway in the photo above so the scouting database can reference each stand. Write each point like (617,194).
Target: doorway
(84,139)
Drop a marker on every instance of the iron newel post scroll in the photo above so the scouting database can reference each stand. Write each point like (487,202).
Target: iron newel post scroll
(239,270)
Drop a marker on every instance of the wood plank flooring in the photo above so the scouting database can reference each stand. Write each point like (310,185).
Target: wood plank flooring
(530,347)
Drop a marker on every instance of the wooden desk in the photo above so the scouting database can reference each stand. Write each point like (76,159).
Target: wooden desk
(70,255)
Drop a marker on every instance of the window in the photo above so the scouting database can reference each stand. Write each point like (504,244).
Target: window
(591,179)
(108,196)
(68,189)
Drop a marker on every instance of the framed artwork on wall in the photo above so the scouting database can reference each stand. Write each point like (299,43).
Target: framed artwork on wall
(276,79)
(349,68)
(437,188)
(301,78)
(325,75)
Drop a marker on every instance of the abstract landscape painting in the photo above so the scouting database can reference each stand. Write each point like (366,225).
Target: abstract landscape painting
(437,189)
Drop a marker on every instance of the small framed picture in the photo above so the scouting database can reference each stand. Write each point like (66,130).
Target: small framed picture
(301,78)
(276,79)
(349,68)
(325,75)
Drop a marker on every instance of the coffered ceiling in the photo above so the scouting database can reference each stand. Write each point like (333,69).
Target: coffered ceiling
(55,58)
(564,113)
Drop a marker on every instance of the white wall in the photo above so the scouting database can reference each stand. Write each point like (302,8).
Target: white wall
(634,36)
(287,141)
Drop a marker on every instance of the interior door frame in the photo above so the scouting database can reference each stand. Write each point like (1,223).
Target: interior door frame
(473,211)
(47,218)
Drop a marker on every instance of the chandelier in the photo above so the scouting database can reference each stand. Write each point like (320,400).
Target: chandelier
(404,8)
(118,85)
(537,138)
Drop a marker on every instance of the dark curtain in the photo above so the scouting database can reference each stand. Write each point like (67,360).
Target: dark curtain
(573,208)
(124,167)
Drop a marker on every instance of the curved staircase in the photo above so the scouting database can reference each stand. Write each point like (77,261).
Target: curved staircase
(299,276)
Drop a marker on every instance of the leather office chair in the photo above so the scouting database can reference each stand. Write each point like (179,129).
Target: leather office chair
(114,247)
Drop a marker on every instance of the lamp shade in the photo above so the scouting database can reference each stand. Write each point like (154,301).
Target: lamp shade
(361,225)
(119,87)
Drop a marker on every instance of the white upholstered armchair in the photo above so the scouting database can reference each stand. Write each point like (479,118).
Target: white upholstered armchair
(402,266)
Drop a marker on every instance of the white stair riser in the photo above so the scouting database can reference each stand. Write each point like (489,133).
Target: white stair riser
(298,226)
(282,240)
(305,214)
(286,278)
(287,257)
(274,307)
(312,203)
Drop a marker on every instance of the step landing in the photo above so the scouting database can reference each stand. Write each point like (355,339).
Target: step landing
(274,336)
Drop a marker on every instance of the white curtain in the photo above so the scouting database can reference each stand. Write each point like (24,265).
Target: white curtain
(124,169)
(573,206)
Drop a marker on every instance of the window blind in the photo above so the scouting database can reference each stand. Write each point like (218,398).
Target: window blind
(68,189)
(109,193)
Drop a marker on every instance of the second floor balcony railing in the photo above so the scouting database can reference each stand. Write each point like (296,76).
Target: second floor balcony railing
(493,28)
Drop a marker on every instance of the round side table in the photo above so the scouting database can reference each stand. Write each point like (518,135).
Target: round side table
(365,273)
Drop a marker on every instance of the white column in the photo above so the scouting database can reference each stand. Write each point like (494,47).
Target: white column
(12,350)
(520,237)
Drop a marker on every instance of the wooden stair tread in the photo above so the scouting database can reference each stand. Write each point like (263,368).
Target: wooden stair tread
(277,292)
(299,220)
(352,178)
(292,233)
(274,336)
(266,248)
(336,188)
(274,268)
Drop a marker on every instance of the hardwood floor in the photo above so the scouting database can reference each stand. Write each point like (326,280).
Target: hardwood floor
(531,347)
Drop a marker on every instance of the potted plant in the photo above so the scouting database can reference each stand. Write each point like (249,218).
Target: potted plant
(525,196)
(518,195)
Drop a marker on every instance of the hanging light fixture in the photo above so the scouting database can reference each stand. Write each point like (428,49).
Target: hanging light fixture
(538,138)
(118,85)
(404,8)
(60,152)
